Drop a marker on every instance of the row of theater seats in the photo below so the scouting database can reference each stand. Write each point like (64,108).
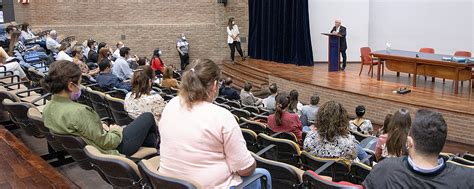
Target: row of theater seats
(286,161)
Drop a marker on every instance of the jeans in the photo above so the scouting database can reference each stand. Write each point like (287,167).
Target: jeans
(184,60)
(141,132)
(233,46)
(257,184)
(361,154)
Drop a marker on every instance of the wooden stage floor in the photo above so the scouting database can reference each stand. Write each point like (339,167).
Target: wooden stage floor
(426,94)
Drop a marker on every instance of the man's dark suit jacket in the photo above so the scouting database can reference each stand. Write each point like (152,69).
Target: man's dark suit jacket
(342,31)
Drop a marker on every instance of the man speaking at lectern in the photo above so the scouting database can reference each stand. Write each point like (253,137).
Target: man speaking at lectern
(341,30)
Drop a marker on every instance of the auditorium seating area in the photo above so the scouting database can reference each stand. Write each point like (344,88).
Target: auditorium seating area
(290,166)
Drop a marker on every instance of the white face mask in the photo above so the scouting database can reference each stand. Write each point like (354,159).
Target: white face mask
(159,52)
(184,38)
(233,23)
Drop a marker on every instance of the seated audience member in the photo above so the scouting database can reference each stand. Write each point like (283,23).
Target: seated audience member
(283,120)
(121,67)
(360,124)
(310,111)
(51,41)
(227,91)
(62,55)
(64,116)
(141,98)
(422,168)
(168,80)
(384,128)
(9,30)
(295,105)
(104,53)
(18,46)
(109,81)
(26,33)
(392,142)
(332,138)
(77,59)
(206,147)
(142,61)
(247,98)
(92,55)
(156,63)
(11,64)
(116,53)
(269,102)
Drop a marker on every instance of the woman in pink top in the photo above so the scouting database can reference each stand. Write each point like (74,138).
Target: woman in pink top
(200,140)
(393,139)
(284,121)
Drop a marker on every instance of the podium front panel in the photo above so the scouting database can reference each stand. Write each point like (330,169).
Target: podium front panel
(333,57)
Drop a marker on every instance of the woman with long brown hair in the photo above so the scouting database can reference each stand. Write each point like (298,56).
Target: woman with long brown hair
(284,121)
(233,39)
(142,98)
(332,138)
(392,143)
(168,80)
(200,140)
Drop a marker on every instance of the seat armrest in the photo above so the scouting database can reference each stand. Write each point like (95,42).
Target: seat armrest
(253,178)
(264,150)
(20,94)
(43,97)
(324,167)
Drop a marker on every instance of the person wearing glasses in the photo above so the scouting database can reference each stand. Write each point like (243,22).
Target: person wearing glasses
(62,115)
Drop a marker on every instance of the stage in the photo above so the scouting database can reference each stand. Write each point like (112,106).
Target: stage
(379,98)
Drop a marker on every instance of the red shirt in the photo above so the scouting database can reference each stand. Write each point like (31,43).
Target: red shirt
(290,123)
(156,64)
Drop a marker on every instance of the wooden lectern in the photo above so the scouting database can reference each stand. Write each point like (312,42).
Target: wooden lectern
(333,51)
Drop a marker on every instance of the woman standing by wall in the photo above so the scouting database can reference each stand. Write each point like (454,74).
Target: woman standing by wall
(233,39)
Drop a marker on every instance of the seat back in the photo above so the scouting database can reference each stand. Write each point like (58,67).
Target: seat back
(286,135)
(117,109)
(98,103)
(468,156)
(254,126)
(240,113)
(359,172)
(315,181)
(74,146)
(3,112)
(338,171)
(284,176)
(462,53)
(250,139)
(37,120)
(251,109)
(427,50)
(224,106)
(285,150)
(35,76)
(359,136)
(462,161)
(234,104)
(18,112)
(121,172)
(150,174)
(365,56)
(220,100)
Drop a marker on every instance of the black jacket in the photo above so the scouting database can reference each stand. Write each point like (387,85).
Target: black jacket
(342,31)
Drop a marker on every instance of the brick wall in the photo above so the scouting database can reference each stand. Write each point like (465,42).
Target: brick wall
(146,24)
(460,126)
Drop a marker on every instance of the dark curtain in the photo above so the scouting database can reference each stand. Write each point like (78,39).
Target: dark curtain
(279,31)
